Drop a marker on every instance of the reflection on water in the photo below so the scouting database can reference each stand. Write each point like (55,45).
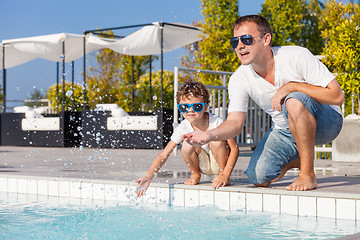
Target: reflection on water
(27,217)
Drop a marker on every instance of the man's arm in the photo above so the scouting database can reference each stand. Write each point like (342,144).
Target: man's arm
(331,94)
(227,130)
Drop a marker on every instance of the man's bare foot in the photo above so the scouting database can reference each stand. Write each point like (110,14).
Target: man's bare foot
(303,183)
(193,180)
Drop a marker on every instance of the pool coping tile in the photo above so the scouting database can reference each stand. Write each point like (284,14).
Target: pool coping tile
(234,198)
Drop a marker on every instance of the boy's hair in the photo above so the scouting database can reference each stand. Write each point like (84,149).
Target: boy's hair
(192,88)
(261,22)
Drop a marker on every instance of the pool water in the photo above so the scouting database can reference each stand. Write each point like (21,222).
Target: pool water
(60,219)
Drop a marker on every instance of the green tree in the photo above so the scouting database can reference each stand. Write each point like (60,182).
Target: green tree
(341,25)
(34,98)
(214,52)
(143,91)
(294,22)
(72,97)
(114,77)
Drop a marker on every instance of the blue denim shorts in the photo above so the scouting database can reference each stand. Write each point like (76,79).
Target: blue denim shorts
(278,147)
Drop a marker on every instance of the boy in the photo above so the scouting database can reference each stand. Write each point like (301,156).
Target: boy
(218,157)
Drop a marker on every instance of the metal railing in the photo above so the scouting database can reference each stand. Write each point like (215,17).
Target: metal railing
(257,122)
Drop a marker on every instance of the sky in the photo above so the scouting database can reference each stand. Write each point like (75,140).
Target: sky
(24,18)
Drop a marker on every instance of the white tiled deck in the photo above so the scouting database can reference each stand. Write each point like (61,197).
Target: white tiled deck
(109,175)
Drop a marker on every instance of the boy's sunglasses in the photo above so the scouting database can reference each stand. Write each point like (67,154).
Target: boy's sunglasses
(245,39)
(185,107)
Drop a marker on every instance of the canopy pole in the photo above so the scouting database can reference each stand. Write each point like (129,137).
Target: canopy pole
(63,76)
(162,86)
(57,86)
(84,69)
(162,63)
(4,79)
(73,84)
(132,83)
(150,107)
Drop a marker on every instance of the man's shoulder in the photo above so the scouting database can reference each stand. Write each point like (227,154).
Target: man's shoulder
(289,49)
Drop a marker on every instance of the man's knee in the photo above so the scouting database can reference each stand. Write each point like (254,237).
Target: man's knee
(294,107)
(297,103)
(261,173)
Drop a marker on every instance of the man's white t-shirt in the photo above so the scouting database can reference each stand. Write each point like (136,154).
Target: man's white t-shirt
(185,127)
(292,64)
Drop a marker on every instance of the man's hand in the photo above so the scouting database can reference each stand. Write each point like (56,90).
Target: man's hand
(278,100)
(198,138)
(143,184)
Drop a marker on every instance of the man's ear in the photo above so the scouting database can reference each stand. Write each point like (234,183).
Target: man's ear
(267,37)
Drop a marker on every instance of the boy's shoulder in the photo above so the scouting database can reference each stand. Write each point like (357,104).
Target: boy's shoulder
(214,118)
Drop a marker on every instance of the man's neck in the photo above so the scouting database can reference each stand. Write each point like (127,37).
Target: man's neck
(265,67)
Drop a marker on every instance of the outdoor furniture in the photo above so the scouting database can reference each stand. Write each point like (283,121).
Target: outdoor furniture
(346,146)
(48,130)
(138,130)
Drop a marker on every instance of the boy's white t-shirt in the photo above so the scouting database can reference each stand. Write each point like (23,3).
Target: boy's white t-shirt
(292,64)
(185,127)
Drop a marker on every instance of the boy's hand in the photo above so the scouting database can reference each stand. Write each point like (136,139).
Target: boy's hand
(220,181)
(143,184)
(197,138)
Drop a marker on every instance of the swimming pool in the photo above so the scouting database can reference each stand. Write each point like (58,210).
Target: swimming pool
(30,217)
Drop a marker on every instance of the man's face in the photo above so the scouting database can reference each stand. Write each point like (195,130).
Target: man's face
(249,54)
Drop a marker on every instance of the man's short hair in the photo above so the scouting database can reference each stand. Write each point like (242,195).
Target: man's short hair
(261,22)
(191,88)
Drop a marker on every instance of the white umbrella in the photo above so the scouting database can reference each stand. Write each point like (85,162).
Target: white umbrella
(147,40)
(50,47)
(153,38)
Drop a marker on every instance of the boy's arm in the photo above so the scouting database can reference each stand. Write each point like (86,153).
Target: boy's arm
(222,179)
(233,156)
(159,161)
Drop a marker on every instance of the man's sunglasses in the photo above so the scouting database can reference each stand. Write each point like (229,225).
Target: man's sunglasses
(185,107)
(245,39)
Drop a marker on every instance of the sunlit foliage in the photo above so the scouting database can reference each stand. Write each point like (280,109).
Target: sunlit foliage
(341,26)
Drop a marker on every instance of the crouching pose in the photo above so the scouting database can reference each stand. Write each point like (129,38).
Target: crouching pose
(300,94)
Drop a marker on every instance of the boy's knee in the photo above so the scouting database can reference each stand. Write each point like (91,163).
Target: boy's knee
(214,145)
(187,149)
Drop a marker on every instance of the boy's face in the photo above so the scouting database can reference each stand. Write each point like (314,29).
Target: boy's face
(191,115)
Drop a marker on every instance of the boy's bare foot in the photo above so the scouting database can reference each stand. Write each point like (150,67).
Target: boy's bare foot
(193,180)
(303,183)
(228,183)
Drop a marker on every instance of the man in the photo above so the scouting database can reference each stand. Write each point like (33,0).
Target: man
(291,85)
